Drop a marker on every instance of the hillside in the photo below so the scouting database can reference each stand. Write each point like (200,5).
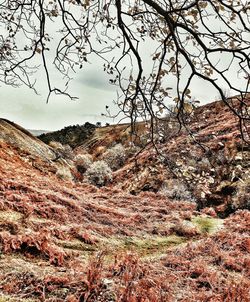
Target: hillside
(30,149)
(71,135)
(208,159)
(67,240)
(15,135)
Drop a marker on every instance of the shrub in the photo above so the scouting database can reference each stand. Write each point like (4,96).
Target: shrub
(115,156)
(99,173)
(83,162)
(62,151)
(64,173)
(132,150)
(177,191)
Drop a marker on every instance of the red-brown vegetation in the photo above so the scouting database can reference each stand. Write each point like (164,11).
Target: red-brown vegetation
(71,241)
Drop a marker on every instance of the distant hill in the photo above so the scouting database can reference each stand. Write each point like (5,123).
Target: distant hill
(71,135)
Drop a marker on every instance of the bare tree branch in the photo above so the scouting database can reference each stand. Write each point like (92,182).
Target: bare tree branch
(153,50)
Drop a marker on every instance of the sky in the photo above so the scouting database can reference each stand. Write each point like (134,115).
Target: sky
(90,85)
(31,111)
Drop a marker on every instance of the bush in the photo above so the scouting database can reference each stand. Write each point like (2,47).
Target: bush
(99,173)
(83,162)
(177,191)
(64,173)
(115,157)
(62,151)
(132,150)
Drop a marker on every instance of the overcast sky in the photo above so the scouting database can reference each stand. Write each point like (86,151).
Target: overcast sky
(31,111)
(24,107)
(90,85)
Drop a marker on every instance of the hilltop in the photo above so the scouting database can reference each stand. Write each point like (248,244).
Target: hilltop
(138,238)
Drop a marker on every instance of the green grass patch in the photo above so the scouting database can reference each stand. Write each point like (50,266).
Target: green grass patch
(207,225)
(143,246)
(152,245)
(77,245)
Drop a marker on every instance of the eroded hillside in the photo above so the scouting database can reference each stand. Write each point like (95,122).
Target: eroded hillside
(209,159)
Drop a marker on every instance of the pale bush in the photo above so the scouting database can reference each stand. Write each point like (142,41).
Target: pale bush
(64,173)
(177,191)
(99,173)
(67,152)
(64,151)
(83,162)
(115,157)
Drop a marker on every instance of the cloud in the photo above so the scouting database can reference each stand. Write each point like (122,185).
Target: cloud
(95,80)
